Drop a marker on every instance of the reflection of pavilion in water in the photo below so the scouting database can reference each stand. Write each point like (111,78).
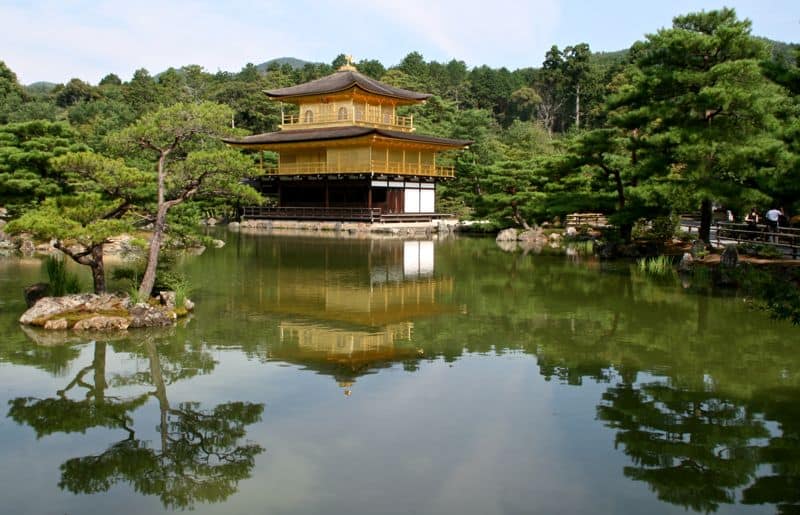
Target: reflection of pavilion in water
(347,307)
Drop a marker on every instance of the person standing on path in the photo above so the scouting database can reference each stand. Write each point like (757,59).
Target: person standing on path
(772,216)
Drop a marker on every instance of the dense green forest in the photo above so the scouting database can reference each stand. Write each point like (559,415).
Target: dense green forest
(698,114)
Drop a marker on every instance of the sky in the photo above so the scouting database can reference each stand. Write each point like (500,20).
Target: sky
(55,40)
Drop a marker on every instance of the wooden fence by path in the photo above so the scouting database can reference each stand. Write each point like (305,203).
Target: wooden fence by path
(785,239)
(586,219)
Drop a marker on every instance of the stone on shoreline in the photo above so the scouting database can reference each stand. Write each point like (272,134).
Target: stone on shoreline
(686,264)
(507,235)
(699,249)
(729,257)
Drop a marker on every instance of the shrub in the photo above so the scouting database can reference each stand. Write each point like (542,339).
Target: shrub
(663,228)
(760,250)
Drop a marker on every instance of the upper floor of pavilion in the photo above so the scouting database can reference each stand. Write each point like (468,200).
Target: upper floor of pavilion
(346,98)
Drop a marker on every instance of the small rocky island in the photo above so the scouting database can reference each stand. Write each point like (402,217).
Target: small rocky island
(104,312)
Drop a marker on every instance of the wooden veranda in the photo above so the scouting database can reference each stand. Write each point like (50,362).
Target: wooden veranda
(336,214)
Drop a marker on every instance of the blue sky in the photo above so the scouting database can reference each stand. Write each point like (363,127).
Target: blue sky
(55,40)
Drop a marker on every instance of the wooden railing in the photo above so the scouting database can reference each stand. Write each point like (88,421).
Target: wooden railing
(372,167)
(403,123)
(360,214)
(301,168)
(785,239)
(586,219)
(312,213)
(400,168)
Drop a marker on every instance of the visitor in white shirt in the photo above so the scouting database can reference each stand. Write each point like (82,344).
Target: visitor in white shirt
(773,216)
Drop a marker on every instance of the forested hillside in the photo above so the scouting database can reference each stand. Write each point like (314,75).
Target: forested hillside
(699,113)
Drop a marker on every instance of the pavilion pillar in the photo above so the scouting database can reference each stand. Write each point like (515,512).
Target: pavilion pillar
(327,196)
(369,200)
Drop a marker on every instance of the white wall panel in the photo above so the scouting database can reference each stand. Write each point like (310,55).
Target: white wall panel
(411,201)
(426,201)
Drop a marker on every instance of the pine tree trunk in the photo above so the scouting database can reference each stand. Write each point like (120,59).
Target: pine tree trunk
(149,278)
(705,221)
(98,269)
(578,106)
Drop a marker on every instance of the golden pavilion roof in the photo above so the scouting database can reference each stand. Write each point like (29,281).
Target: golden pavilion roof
(337,133)
(343,80)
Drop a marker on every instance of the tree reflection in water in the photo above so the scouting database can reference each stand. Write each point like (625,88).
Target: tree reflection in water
(201,456)
(782,452)
(693,448)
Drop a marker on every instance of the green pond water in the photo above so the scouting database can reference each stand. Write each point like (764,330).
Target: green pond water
(323,375)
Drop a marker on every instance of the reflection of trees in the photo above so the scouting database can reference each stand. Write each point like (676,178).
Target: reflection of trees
(200,459)
(693,448)
(52,358)
(782,452)
(200,456)
(62,414)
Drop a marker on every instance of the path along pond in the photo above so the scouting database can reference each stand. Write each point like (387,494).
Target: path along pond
(322,375)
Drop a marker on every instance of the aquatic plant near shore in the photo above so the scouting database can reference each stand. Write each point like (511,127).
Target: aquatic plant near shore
(61,281)
(180,285)
(660,266)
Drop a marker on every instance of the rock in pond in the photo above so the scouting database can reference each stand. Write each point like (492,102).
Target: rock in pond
(167,299)
(101,323)
(507,235)
(35,292)
(58,324)
(48,308)
(143,315)
(535,234)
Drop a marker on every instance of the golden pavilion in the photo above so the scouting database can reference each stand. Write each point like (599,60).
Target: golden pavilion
(347,155)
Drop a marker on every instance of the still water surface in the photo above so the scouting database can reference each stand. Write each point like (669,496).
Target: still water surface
(369,377)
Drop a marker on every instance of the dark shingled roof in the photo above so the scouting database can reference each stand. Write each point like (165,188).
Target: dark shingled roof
(302,135)
(343,80)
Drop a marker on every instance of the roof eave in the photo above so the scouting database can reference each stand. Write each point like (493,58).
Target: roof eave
(274,96)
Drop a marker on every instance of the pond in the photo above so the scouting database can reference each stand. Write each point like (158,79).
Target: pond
(357,376)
